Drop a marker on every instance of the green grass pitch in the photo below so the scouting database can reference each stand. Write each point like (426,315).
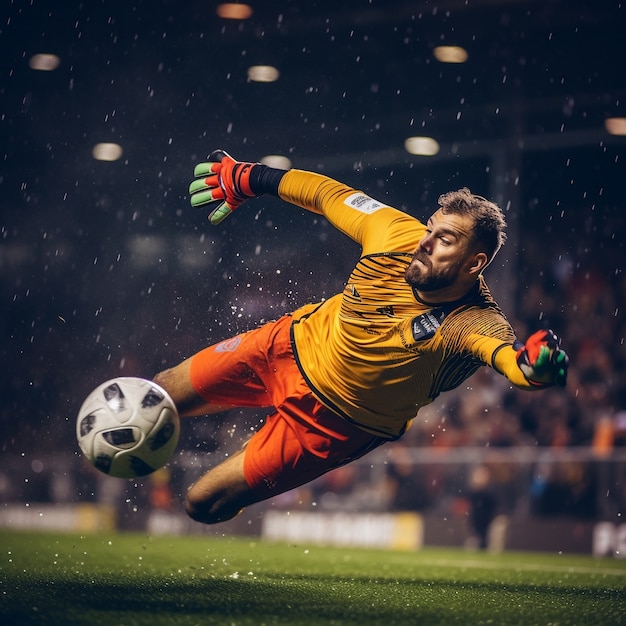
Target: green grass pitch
(134,579)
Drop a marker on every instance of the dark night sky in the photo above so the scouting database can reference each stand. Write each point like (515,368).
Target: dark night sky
(104,267)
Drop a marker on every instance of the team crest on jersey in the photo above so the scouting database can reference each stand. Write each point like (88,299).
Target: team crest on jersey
(230,345)
(425,326)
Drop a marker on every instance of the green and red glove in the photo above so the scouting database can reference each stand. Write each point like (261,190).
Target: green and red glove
(542,361)
(224,180)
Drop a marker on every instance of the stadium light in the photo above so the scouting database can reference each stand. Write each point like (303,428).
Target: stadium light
(44,62)
(421,146)
(233,11)
(276,160)
(263,73)
(450,54)
(615,125)
(107,152)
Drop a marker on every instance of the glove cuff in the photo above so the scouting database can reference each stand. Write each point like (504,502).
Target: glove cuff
(264,179)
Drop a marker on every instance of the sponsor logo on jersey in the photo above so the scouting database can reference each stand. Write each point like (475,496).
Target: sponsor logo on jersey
(425,326)
(363,203)
(386,310)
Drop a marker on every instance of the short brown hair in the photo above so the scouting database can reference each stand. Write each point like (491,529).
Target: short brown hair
(489,230)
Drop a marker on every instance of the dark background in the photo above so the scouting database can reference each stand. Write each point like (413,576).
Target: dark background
(106,270)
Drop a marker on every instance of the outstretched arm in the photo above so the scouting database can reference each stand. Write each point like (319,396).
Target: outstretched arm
(536,364)
(224,184)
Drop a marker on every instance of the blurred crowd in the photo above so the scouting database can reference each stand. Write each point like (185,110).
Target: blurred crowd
(75,324)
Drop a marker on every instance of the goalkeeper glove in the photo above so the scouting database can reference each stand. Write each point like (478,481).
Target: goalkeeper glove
(221,178)
(542,361)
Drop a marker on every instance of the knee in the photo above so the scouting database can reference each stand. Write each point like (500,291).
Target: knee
(196,511)
(208,509)
(198,508)
(221,493)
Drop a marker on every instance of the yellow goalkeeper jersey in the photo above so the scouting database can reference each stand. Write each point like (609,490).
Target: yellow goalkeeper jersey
(375,354)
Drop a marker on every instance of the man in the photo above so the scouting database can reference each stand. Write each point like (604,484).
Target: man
(348,374)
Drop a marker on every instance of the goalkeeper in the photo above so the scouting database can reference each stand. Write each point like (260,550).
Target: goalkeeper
(344,376)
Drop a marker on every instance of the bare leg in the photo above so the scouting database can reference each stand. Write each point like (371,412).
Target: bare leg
(223,491)
(177,382)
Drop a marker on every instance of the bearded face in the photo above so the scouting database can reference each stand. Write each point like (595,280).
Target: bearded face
(422,275)
(445,264)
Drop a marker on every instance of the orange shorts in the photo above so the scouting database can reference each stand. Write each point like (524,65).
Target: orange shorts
(301,439)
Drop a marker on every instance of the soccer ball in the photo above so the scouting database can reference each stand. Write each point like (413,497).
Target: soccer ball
(128,427)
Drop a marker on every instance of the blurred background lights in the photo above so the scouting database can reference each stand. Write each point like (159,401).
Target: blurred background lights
(44,62)
(450,54)
(422,146)
(615,125)
(107,151)
(234,11)
(146,250)
(277,161)
(263,73)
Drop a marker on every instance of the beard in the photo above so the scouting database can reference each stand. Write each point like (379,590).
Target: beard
(421,275)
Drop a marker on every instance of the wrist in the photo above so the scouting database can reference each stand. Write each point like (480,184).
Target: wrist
(265,179)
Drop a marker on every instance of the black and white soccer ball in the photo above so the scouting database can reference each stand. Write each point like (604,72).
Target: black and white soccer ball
(128,427)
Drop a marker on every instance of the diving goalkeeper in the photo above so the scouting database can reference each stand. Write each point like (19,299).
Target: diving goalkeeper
(344,376)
